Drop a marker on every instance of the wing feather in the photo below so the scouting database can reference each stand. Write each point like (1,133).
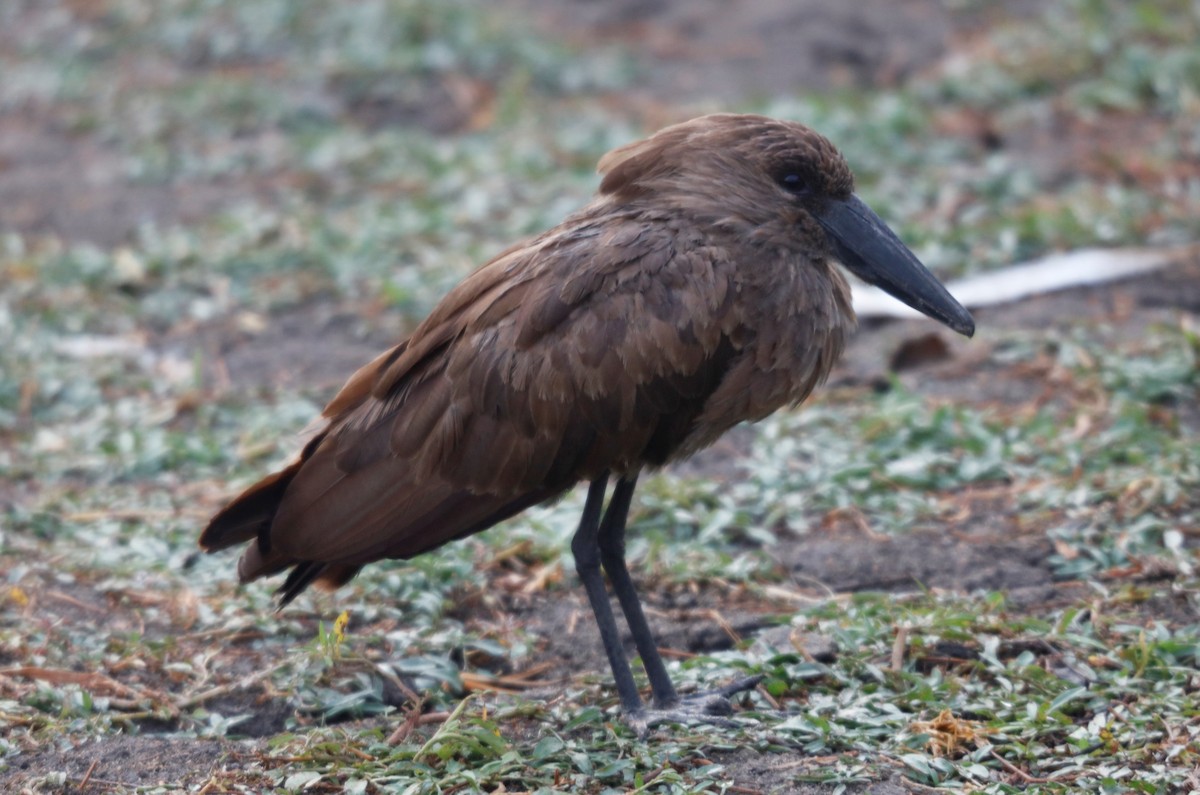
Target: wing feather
(592,349)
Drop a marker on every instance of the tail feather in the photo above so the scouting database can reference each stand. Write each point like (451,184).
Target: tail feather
(298,579)
(249,516)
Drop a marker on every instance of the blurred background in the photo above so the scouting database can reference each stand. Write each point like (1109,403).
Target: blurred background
(212,212)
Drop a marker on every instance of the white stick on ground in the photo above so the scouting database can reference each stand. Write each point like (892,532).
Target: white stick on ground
(1056,272)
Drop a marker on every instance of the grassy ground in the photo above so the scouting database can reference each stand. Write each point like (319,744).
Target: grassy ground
(968,569)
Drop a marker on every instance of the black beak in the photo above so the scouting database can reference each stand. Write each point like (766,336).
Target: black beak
(873,253)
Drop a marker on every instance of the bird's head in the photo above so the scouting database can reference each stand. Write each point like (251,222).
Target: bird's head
(779,183)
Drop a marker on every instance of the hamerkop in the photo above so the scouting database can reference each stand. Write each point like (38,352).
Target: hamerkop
(699,289)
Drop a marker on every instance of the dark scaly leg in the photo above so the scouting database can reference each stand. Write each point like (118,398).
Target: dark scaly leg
(587,563)
(668,706)
(612,554)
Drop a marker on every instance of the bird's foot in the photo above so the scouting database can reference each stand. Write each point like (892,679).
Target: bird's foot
(710,706)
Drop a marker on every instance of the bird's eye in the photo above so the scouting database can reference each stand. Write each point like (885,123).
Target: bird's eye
(793,183)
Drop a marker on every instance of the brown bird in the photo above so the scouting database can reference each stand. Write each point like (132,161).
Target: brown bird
(699,289)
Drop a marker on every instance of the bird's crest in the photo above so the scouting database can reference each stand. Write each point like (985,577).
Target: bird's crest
(625,167)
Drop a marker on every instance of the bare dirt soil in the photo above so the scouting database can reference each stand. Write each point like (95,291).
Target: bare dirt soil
(735,50)
(132,761)
(55,182)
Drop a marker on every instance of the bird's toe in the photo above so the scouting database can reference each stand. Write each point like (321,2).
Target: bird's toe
(711,707)
(716,701)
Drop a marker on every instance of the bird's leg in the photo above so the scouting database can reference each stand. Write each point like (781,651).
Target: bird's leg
(612,554)
(587,563)
(668,706)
